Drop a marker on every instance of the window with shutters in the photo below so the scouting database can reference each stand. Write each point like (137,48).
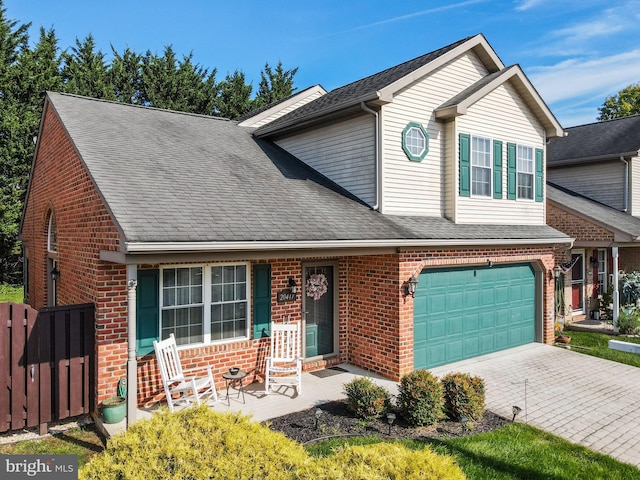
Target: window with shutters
(480,166)
(525,173)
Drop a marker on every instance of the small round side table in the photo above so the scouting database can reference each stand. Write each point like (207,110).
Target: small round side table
(235,380)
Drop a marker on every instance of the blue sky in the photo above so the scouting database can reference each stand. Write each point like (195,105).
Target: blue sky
(576,52)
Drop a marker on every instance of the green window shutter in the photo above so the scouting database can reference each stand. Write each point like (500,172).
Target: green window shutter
(539,175)
(261,300)
(497,169)
(465,165)
(511,171)
(147,310)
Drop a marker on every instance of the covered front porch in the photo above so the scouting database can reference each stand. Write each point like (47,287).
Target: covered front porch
(319,387)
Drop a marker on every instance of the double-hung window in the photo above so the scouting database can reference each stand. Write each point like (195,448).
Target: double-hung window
(525,174)
(202,304)
(480,166)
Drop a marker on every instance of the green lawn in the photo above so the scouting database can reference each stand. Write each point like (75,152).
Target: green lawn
(11,293)
(515,451)
(597,344)
(83,442)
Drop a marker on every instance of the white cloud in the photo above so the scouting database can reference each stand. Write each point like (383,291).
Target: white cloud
(579,78)
(527,4)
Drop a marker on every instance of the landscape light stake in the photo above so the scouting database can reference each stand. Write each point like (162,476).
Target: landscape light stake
(391,417)
(317,414)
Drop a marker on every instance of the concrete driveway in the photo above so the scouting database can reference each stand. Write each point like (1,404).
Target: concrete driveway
(586,400)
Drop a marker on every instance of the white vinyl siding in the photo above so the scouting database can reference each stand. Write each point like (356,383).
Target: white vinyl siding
(602,182)
(501,115)
(343,152)
(416,188)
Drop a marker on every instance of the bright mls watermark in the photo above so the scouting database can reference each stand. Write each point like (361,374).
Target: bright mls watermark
(51,467)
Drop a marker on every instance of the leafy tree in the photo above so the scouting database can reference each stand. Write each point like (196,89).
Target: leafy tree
(626,102)
(235,96)
(274,85)
(84,71)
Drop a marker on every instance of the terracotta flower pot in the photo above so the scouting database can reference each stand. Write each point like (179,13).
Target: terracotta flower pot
(563,339)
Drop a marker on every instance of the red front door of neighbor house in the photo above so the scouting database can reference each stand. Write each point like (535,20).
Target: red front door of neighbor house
(577,283)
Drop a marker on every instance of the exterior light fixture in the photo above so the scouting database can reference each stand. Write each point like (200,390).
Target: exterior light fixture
(410,286)
(593,261)
(55,273)
(391,417)
(489,263)
(516,410)
(556,271)
(317,414)
(292,285)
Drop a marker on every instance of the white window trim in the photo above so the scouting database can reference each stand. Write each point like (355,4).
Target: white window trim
(533,174)
(471,166)
(206,300)
(603,271)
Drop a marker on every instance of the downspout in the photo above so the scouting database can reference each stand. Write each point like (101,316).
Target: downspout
(377,155)
(132,365)
(626,184)
(616,291)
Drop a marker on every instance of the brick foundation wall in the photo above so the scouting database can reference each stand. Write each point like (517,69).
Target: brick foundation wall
(629,259)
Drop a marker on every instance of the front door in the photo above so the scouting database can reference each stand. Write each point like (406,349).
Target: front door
(577,282)
(319,310)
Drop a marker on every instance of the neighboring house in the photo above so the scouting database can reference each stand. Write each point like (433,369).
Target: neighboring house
(432,170)
(594,197)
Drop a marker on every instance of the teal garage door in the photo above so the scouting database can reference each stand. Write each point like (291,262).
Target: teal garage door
(461,313)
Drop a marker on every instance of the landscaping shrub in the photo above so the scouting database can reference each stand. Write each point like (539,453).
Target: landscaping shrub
(463,396)
(628,321)
(196,443)
(382,461)
(420,399)
(366,399)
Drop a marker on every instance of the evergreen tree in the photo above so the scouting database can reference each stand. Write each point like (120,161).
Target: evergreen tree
(178,85)
(84,71)
(235,96)
(274,85)
(125,77)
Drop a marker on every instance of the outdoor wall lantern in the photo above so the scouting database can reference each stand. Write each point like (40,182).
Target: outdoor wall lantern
(55,273)
(292,285)
(556,271)
(593,261)
(410,286)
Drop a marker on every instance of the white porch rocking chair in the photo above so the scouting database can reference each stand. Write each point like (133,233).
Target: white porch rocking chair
(190,389)
(284,364)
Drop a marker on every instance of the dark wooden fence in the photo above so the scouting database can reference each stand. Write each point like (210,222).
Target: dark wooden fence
(47,363)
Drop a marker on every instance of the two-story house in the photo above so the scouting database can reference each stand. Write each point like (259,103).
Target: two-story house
(593,195)
(400,219)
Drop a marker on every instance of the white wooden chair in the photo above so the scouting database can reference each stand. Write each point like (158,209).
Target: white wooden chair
(284,363)
(189,389)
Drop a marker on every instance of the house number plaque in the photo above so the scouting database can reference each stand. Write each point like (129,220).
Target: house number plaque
(286,296)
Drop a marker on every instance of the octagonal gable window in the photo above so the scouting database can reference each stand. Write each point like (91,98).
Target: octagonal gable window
(415,141)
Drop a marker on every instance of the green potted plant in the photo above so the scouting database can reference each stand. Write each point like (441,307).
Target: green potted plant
(114,409)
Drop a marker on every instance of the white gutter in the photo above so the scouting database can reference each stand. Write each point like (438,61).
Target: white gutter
(154,247)
(377,154)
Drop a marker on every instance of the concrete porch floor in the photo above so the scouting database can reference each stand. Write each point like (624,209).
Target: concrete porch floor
(317,388)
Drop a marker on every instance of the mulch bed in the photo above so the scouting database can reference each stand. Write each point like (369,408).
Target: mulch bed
(336,419)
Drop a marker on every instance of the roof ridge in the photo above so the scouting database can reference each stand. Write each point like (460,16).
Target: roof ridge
(144,107)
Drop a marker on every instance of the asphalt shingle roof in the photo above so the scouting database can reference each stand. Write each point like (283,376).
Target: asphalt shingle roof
(590,209)
(600,140)
(176,177)
(355,92)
